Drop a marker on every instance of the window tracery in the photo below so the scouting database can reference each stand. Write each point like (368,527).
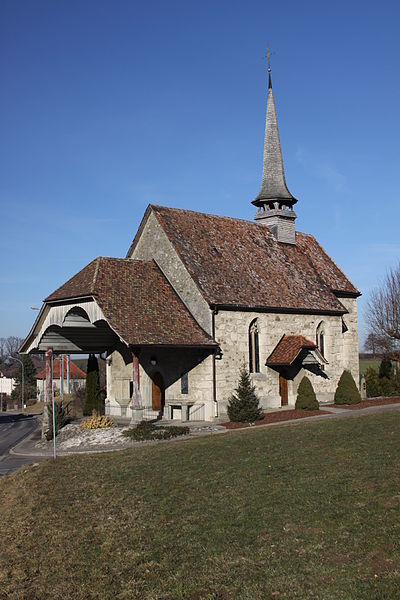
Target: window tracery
(320,338)
(254,352)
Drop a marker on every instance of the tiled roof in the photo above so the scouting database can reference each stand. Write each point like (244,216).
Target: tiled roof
(137,301)
(75,372)
(240,263)
(287,350)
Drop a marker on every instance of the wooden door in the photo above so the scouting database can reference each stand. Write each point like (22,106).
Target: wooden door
(283,389)
(158,392)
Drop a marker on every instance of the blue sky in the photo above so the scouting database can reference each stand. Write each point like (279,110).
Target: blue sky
(109,105)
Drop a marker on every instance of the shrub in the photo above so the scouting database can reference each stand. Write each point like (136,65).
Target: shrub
(243,406)
(385,369)
(93,399)
(382,385)
(146,430)
(61,415)
(97,421)
(346,391)
(306,398)
(387,386)
(29,381)
(372,383)
(77,397)
(8,402)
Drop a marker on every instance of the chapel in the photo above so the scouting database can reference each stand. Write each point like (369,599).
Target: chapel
(198,296)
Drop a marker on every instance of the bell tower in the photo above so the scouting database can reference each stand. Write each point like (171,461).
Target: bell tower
(274,201)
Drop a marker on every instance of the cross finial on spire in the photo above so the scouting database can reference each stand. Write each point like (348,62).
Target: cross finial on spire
(268,57)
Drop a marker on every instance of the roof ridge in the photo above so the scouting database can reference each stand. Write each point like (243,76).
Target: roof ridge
(241,220)
(96,271)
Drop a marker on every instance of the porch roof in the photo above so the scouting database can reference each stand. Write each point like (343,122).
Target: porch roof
(288,349)
(137,301)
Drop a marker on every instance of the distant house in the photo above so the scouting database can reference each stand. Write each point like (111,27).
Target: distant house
(7,381)
(8,374)
(77,378)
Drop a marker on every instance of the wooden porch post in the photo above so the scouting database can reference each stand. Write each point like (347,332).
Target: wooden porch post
(136,396)
(49,390)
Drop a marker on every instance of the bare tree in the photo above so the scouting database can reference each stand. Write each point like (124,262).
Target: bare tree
(378,344)
(383,311)
(9,346)
(2,349)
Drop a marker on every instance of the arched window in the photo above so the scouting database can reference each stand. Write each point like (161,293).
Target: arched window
(254,353)
(320,338)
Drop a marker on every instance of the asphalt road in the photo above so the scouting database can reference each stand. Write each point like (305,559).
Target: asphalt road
(13,429)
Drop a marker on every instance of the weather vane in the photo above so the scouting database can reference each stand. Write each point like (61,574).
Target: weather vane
(268,56)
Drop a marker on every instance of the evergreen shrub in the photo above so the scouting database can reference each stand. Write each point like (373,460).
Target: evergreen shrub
(384,383)
(243,405)
(145,430)
(306,398)
(29,381)
(386,369)
(61,415)
(372,383)
(93,399)
(346,391)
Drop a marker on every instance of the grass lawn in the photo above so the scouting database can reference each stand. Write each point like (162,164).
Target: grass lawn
(306,511)
(365,363)
(34,409)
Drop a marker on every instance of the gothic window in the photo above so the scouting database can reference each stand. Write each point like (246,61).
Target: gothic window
(320,338)
(344,326)
(185,383)
(254,353)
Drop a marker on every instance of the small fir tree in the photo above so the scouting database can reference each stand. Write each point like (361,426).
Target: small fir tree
(372,383)
(92,386)
(29,381)
(243,405)
(386,369)
(346,391)
(306,398)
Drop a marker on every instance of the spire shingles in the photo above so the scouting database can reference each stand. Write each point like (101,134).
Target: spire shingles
(274,201)
(273,186)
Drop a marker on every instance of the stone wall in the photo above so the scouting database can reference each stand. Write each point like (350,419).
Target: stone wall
(232,333)
(232,327)
(171,364)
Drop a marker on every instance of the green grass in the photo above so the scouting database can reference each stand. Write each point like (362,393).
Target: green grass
(365,363)
(306,511)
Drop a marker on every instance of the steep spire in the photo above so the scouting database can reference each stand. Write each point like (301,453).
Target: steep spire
(274,201)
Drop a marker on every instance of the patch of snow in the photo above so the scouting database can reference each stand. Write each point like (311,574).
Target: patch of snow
(73,436)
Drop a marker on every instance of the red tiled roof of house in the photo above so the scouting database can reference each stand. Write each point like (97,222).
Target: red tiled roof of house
(137,301)
(75,372)
(287,350)
(240,263)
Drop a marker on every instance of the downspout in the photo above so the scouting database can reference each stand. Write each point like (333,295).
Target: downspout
(214,311)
